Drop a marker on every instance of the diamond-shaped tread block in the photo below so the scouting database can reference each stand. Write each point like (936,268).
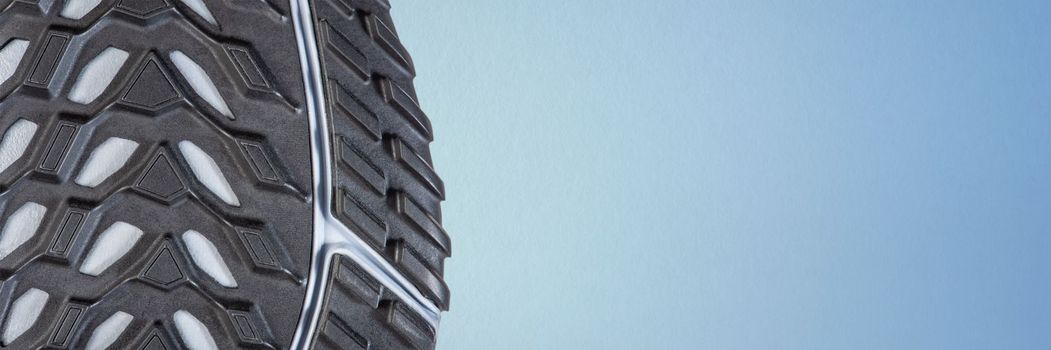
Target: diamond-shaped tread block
(152,88)
(163,268)
(155,342)
(142,8)
(160,179)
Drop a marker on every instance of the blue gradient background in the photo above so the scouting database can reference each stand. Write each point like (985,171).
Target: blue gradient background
(739,174)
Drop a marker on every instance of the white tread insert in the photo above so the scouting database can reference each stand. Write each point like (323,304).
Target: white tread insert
(194,334)
(112,244)
(201,9)
(11,56)
(200,82)
(16,140)
(105,160)
(77,9)
(206,170)
(108,331)
(20,227)
(97,75)
(24,313)
(208,259)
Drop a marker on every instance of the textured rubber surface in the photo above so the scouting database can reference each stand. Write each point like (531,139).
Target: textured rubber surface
(168,172)
(390,191)
(361,314)
(387,190)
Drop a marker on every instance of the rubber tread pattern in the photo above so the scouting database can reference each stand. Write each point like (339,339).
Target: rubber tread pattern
(389,192)
(265,153)
(361,314)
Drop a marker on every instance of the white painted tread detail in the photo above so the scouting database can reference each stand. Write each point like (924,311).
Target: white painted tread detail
(207,171)
(201,9)
(11,56)
(208,259)
(111,245)
(77,9)
(24,313)
(97,75)
(20,227)
(200,82)
(105,160)
(109,331)
(194,334)
(16,140)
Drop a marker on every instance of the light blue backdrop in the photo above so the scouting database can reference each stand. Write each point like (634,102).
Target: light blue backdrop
(739,174)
